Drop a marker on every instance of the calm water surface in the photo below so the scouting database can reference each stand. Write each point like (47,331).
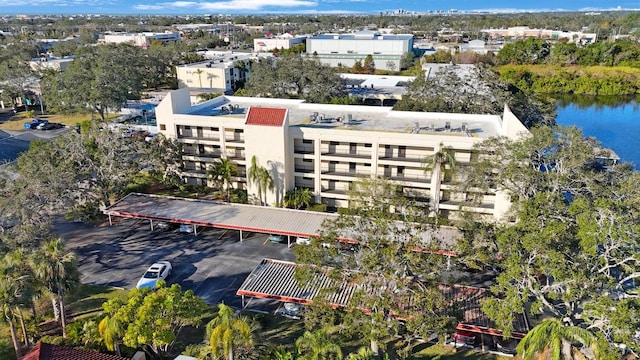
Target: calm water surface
(615,125)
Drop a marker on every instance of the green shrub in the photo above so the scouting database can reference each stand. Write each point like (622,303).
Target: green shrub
(317,207)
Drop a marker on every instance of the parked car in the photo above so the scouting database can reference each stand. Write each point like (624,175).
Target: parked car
(50,126)
(42,124)
(303,240)
(158,271)
(464,337)
(186,228)
(276,238)
(34,123)
(507,346)
(292,310)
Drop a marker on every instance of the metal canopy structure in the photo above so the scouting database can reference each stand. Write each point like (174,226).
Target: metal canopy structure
(216,214)
(252,218)
(273,279)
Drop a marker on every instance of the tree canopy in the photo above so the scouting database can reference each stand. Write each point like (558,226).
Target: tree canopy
(100,78)
(295,76)
(382,229)
(479,92)
(572,245)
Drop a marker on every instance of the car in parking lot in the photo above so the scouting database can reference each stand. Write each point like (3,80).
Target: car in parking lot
(49,126)
(186,228)
(277,238)
(302,240)
(158,271)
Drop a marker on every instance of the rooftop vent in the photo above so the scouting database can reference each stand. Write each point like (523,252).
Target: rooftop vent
(447,126)
(464,127)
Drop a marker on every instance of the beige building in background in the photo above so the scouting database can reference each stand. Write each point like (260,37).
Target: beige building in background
(220,73)
(328,147)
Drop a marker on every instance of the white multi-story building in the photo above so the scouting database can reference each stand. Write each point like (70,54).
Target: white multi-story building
(283,41)
(327,147)
(139,39)
(525,31)
(219,73)
(346,49)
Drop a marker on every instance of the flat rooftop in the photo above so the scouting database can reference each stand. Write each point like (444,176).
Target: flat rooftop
(358,117)
(219,61)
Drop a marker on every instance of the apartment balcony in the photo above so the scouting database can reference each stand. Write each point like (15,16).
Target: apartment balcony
(334,193)
(303,149)
(399,160)
(235,140)
(303,170)
(484,207)
(338,155)
(414,181)
(198,139)
(342,175)
(202,174)
(205,157)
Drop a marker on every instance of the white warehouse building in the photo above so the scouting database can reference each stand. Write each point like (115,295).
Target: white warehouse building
(346,49)
(326,148)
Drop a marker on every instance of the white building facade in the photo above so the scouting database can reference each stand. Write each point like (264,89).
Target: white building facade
(326,148)
(220,73)
(283,41)
(139,39)
(346,49)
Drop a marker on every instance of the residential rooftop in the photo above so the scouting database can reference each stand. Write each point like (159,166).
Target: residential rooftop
(356,117)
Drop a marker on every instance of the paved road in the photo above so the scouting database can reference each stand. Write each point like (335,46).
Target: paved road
(213,264)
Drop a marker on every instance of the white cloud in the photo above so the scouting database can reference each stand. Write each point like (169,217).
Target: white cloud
(254,5)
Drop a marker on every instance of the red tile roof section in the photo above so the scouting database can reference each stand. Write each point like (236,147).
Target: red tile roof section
(266,116)
(44,351)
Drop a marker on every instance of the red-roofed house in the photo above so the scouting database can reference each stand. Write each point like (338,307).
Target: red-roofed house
(266,116)
(44,351)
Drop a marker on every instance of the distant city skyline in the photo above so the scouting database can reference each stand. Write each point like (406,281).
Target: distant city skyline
(244,7)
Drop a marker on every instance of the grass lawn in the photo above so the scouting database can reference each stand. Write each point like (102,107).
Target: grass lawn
(16,122)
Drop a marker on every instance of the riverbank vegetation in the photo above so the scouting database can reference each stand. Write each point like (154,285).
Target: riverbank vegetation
(602,68)
(575,79)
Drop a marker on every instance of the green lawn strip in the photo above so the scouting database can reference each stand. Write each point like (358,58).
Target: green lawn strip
(86,301)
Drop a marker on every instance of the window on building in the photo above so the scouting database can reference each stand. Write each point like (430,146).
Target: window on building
(367,145)
(215,129)
(306,141)
(400,170)
(352,167)
(237,131)
(163,127)
(307,160)
(187,127)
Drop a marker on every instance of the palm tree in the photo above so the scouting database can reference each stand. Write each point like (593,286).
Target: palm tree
(441,160)
(111,330)
(57,270)
(221,173)
(298,197)
(260,176)
(551,335)
(227,332)
(14,290)
(265,182)
(363,353)
(317,345)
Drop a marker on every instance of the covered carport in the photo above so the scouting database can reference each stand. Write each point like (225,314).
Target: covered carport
(207,213)
(274,279)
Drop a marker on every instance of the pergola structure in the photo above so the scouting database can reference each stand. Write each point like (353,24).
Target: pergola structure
(274,279)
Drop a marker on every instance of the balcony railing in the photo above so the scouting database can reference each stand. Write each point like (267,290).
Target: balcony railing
(205,138)
(335,191)
(303,169)
(402,158)
(346,173)
(303,150)
(413,179)
(346,154)
(210,155)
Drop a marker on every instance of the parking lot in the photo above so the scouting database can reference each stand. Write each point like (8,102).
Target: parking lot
(213,264)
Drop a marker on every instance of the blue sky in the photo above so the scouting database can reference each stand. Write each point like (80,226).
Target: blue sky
(294,6)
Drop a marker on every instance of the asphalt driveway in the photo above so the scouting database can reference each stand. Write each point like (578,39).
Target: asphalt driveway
(213,264)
